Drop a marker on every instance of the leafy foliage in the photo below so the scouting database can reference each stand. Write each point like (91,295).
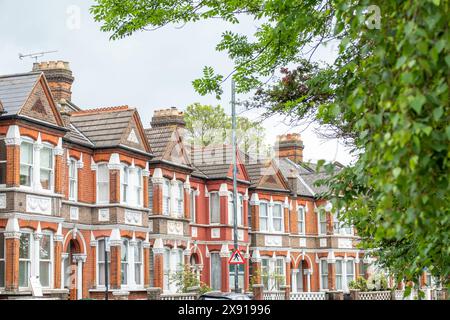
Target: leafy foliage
(387,91)
(210,125)
(185,278)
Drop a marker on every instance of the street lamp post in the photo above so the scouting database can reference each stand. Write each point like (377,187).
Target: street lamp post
(235,199)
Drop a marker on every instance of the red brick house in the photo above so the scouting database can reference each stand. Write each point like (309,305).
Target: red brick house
(76,182)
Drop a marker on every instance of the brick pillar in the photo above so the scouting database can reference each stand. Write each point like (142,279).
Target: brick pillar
(115,270)
(224,256)
(157,182)
(145,190)
(187,199)
(158,260)
(357,262)
(92,260)
(223,196)
(154,293)
(256,267)
(114,178)
(58,243)
(245,210)
(12,242)
(331,276)
(288,270)
(254,211)
(258,292)
(12,142)
(286,215)
(294,218)
(287,292)
(59,167)
(146,249)
(247,272)
(329,223)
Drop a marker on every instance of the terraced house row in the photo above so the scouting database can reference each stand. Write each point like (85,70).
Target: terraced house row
(76,181)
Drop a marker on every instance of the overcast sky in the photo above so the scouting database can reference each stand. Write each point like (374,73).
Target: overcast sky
(149,70)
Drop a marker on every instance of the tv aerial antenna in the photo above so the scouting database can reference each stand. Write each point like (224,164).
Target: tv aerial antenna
(36,55)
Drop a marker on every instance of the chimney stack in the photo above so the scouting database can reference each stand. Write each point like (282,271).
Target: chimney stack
(59,78)
(289,146)
(64,111)
(168,117)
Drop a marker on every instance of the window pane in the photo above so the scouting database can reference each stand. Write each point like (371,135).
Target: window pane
(216,274)
(2,172)
(44,252)
(45,177)
(44,273)
(25,175)
(46,158)
(214,207)
(2,150)
(24,273)
(277,210)
(24,247)
(2,246)
(26,153)
(2,274)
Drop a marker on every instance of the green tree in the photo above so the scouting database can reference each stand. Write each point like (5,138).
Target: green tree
(210,125)
(386,92)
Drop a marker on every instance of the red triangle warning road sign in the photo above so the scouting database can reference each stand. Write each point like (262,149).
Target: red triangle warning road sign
(236,258)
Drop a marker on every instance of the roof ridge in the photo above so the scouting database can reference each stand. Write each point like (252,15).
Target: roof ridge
(22,74)
(101,110)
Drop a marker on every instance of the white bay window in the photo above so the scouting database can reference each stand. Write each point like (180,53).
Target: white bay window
(166,197)
(46,167)
(73,180)
(102,183)
(26,163)
(214,207)
(271,217)
(301,220)
(2,260)
(240,209)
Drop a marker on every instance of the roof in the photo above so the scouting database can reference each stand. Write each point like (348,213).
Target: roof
(15,89)
(213,161)
(104,127)
(159,138)
(74,135)
(303,186)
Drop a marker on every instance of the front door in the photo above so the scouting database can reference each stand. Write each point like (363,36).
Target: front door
(71,274)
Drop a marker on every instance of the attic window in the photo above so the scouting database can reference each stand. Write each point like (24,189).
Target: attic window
(39,107)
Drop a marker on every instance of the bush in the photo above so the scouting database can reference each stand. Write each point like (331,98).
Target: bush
(360,284)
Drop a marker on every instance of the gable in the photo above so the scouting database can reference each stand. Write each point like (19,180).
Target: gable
(134,135)
(241,172)
(39,105)
(271,179)
(175,151)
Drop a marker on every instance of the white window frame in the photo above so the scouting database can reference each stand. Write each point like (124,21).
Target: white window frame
(266,217)
(214,195)
(29,260)
(166,197)
(174,264)
(138,188)
(321,222)
(125,264)
(214,277)
(74,179)
(301,220)
(105,183)
(30,166)
(272,268)
(105,240)
(240,209)
(2,141)
(49,261)
(323,284)
(193,205)
(178,193)
(124,184)
(339,274)
(138,251)
(48,146)
(347,282)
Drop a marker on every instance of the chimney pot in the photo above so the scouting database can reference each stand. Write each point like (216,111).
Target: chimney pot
(168,117)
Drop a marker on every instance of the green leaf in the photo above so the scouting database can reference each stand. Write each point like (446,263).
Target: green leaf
(417,103)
